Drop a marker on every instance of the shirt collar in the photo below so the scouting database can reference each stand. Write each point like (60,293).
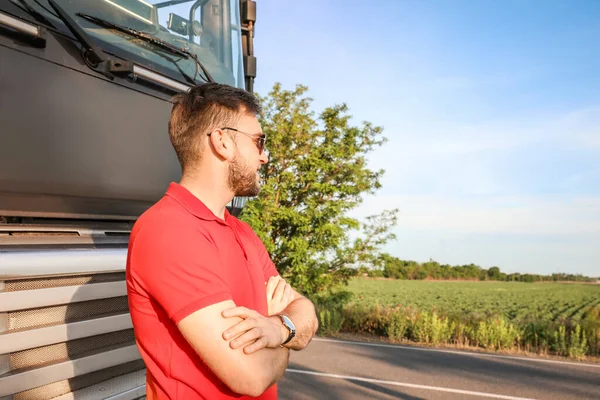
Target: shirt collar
(193,204)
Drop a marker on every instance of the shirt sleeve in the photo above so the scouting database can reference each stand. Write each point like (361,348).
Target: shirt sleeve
(179,271)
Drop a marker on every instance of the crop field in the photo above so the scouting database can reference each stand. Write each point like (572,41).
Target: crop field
(513,300)
(546,318)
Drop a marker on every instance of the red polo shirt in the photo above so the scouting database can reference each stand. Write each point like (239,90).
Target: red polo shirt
(182,258)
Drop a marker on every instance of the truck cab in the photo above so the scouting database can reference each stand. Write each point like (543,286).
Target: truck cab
(85,99)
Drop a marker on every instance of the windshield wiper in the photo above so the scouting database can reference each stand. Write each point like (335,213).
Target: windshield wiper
(155,41)
(91,54)
(24,5)
(141,35)
(91,51)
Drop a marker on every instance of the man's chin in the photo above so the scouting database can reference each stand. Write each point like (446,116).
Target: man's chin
(251,189)
(251,192)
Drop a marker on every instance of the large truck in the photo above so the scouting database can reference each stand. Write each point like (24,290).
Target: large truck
(85,98)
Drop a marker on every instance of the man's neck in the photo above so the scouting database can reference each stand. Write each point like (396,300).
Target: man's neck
(214,193)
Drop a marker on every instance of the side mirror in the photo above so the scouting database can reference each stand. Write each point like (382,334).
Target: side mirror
(236,206)
(178,24)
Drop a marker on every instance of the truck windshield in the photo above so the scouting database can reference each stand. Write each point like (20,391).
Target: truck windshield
(210,29)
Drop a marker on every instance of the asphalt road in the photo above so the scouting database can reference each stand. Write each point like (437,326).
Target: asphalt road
(345,370)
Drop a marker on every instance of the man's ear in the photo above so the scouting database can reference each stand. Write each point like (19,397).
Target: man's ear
(221,144)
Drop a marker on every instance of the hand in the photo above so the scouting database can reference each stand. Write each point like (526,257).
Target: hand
(255,331)
(279,294)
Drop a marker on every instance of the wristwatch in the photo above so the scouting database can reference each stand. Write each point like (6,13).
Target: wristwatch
(289,325)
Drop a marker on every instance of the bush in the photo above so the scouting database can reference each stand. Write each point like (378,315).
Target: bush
(560,341)
(460,333)
(465,327)
(475,329)
(591,327)
(430,328)
(578,343)
(496,334)
(537,335)
(330,322)
(329,308)
(332,300)
(398,326)
(373,320)
(591,331)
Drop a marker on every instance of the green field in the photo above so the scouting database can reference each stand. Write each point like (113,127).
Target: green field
(513,300)
(545,318)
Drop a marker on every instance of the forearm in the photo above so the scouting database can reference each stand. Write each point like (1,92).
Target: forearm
(302,313)
(244,373)
(256,372)
(274,363)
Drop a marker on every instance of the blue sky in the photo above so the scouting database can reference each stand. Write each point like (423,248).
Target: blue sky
(492,111)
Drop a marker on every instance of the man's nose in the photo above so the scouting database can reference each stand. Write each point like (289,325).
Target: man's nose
(264,156)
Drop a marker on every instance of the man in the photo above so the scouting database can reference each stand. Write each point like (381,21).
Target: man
(212,318)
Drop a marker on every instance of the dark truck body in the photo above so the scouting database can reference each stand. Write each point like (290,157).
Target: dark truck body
(81,157)
(75,144)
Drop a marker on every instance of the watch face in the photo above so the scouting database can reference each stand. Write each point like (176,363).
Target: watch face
(288,322)
(290,326)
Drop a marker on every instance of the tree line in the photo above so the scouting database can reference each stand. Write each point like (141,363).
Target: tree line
(393,267)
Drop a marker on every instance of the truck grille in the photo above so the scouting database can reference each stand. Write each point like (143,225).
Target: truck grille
(70,350)
(50,346)
(48,316)
(80,382)
(42,283)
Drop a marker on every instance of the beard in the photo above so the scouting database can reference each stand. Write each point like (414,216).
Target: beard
(242,179)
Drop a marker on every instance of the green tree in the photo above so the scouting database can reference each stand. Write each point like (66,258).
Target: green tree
(316,175)
(494,273)
(393,267)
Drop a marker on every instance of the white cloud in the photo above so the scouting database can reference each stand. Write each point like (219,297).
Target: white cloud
(518,234)
(427,158)
(581,126)
(491,215)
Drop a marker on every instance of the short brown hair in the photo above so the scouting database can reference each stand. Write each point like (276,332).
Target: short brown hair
(204,108)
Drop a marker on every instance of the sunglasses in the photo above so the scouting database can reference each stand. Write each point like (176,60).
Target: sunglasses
(259,141)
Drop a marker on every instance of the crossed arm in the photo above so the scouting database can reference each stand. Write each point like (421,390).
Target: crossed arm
(254,332)
(241,346)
